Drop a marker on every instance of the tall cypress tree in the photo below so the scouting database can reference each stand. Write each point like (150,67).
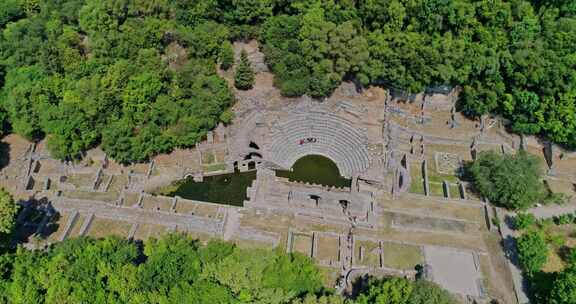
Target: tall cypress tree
(226,55)
(244,76)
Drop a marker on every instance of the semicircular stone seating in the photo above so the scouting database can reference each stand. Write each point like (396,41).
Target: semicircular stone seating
(322,134)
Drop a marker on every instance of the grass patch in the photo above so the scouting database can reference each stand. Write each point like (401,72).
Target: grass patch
(454,191)
(436,189)
(97,196)
(327,248)
(417,186)
(371,253)
(302,243)
(554,263)
(329,275)
(104,227)
(434,176)
(220,156)
(402,256)
(251,244)
(80,180)
(208,157)
(214,167)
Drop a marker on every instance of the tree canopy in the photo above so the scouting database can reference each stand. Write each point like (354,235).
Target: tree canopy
(511,181)
(532,251)
(8,211)
(244,75)
(89,72)
(172,269)
(402,291)
(177,269)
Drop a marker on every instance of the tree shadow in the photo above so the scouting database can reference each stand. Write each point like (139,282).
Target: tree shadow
(37,220)
(4,154)
(510,222)
(359,285)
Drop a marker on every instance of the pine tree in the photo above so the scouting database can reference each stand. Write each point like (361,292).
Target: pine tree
(226,55)
(244,76)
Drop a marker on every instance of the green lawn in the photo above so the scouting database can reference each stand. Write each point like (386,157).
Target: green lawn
(214,167)
(402,256)
(436,189)
(371,253)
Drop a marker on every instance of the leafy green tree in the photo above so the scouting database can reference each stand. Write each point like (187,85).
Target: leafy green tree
(532,251)
(564,287)
(313,299)
(524,221)
(425,292)
(10,10)
(244,75)
(226,55)
(292,272)
(8,211)
(387,291)
(511,181)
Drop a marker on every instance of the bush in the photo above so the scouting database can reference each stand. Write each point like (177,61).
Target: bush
(524,220)
(556,239)
(532,251)
(564,219)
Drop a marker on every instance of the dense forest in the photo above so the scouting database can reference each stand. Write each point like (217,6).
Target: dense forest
(89,72)
(176,269)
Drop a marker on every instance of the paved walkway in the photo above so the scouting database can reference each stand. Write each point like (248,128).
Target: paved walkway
(520,283)
(552,210)
(232,223)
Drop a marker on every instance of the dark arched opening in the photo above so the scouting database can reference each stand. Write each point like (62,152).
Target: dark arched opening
(251,165)
(253,155)
(315,198)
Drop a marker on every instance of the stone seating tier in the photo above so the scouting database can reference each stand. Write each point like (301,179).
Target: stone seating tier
(335,137)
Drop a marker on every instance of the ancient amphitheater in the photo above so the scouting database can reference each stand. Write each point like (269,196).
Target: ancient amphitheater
(321,133)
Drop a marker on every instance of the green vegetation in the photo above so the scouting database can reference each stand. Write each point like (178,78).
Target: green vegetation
(511,181)
(401,256)
(514,58)
(226,56)
(84,72)
(8,211)
(524,220)
(174,269)
(543,242)
(177,269)
(532,251)
(244,76)
(89,72)
(214,167)
(402,291)
(564,287)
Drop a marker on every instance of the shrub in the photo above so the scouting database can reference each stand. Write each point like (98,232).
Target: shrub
(524,220)
(532,251)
